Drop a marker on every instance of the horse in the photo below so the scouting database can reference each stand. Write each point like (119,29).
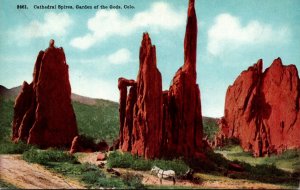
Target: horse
(163,174)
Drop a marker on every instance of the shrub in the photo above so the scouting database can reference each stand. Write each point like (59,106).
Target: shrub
(141,164)
(45,156)
(95,178)
(119,160)
(217,158)
(91,173)
(14,148)
(5,185)
(126,160)
(133,181)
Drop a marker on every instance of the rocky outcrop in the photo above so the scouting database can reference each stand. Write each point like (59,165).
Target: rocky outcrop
(147,113)
(262,109)
(163,124)
(141,110)
(182,104)
(126,111)
(43,113)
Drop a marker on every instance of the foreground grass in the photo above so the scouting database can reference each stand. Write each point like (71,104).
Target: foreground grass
(215,165)
(126,160)
(288,160)
(277,169)
(67,165)
(5,185)
(6,117)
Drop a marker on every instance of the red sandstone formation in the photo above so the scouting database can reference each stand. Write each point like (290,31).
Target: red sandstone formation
(141,111)
(155,123)
(262,109)
(147,113)
(126,111)
(182,106)
(43,113)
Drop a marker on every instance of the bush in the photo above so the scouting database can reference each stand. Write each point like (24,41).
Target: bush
(126,160)
(44,156)
(133,181)
(95,178)
(14,148)
(120,160)
(141,164)
(91,173)
(217,158)
(5,185)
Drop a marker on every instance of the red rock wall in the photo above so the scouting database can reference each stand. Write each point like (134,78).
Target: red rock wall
(262,109)
(147,113)
(126,112)
(183,118)
(49,120)
(169,123)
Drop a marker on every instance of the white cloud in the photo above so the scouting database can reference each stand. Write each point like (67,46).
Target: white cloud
(106,24)
(52,25)
(119,57)
(227,33)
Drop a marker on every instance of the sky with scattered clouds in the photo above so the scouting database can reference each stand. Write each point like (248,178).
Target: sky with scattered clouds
(102,45)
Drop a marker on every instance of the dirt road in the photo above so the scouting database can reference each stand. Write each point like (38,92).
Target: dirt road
(22,174)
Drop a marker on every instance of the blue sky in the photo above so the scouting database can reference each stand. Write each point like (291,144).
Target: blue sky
(102,45)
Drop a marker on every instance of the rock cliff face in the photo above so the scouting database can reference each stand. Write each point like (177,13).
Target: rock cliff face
(182,105)
(141,111)
(163,124)
(262,109)
(147,112)
(43,113)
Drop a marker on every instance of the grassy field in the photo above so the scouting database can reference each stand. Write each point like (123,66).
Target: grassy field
(288,161)
(5,185)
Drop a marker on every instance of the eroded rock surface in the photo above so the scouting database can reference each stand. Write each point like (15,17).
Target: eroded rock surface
(163,124)
(43,113)
(262,109)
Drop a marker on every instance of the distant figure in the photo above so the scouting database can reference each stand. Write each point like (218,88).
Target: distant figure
(51,43)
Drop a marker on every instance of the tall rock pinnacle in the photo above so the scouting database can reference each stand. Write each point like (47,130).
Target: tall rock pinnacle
(182,106)
(169,123)
(147,114)
(43,113)
(190,41)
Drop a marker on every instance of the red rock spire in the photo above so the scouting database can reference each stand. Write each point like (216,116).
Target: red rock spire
(190,41)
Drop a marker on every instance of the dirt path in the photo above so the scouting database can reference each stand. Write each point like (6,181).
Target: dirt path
(22,174)
(208,181)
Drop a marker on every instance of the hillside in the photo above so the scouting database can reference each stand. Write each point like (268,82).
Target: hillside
(96,118)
